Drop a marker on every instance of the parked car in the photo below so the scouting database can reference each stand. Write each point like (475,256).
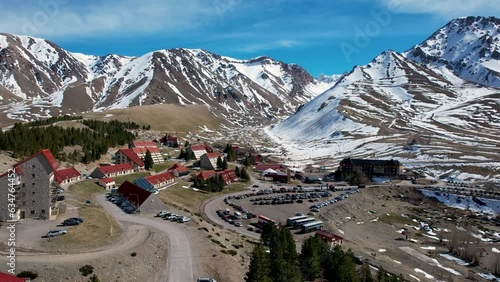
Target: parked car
(184,219)
(162,213)
(70,222)
(56,232)
(60,198)
(238,224)
(205,279)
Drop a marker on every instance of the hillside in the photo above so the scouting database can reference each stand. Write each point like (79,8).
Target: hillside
(40,79)
(380,109)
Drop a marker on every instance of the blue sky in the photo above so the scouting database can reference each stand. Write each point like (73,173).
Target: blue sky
(323,36)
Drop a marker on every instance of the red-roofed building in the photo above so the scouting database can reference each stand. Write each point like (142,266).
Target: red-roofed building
(170,141)
(178,170)
(209,160)
(205,175)
(276,167)
(159,180)
(107,183)
(228,176)
(129,156)
(142,200)
(4,277)
(107,171)
(196,150)
(67,175)
(33,179)
(142,144)
(155,154)
(329,237)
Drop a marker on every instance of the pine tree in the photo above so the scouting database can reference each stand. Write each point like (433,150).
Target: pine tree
(310,259)
(237,171)
(284,253)
(244,175)
(186,144)
(219,162)
(148,160)
(382,275)
(365,274)
(224,164)
(260,266)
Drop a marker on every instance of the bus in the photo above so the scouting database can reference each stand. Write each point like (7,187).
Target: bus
(264,220)
(290,221)
(300,222)
(312,226)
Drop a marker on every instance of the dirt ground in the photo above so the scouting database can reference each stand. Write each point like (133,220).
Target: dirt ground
(370,223)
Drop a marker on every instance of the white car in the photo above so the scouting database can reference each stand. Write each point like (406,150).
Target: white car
(57,232)
(162,213)
(205,279)
(184,219)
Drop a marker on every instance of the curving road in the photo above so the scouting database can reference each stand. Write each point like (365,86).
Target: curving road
(178,267)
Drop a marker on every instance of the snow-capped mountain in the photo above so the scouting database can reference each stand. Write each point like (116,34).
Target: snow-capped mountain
(38,78)
(376,109)
(468,47)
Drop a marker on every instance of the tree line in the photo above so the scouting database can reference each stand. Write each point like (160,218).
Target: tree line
(27,139)
(275,258)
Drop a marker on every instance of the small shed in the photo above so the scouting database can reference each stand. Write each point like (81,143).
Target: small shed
(331,238)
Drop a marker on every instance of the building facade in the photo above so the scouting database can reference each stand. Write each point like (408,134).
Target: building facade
(388,168)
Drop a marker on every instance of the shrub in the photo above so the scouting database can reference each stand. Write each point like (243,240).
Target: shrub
(134,254)
(86,270)
(28,274)
(229,252)
(94,278)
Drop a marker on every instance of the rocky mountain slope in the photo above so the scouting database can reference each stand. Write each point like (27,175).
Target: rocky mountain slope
(448,95)
(39,79)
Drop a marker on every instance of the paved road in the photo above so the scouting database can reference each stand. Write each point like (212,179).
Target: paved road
(179,265)
(210,207)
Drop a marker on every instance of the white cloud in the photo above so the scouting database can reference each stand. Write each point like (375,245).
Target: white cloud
(58,18)
(446,8)
(279,44)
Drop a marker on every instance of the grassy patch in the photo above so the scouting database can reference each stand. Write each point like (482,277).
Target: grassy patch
(229,252)
(189,199)
(98,229)
(163,166)
(395,219)
(218,243)
(85,190)
(131,177)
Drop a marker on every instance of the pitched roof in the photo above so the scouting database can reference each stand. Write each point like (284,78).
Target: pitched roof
(328,235)
(4,277)
(144,144)
(213,155)
(197,148)
(129,153)
(133,193)
(115,168)
(66,173)
(107,180)
(46,154)
(180,168)
(143,150)
(159,178)
(205,174)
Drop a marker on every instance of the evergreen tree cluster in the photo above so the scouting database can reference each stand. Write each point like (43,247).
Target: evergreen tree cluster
(25,139)
(213,184)
(52,120)
(249,160)
(316,261)
(231,153)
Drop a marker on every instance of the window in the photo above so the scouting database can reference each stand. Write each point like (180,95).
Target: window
(24,184)
(42,211)
(33,183)
(32,166)
(33,175)
(33,212)
(33,201)
(33,193)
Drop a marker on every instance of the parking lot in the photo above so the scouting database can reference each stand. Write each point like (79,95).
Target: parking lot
(279,204)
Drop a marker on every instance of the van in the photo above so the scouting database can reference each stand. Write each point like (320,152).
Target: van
(237,214)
